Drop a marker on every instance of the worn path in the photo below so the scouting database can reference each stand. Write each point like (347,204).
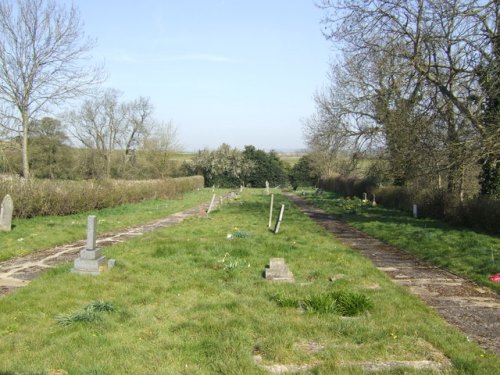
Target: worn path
(18,272)
(473,309)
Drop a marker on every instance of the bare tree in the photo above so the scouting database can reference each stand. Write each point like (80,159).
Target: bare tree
(43,61)
(99,124)
(453,45)
(138,124)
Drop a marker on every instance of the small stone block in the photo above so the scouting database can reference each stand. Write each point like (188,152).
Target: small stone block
(89,266)
(111,263)
(278,271)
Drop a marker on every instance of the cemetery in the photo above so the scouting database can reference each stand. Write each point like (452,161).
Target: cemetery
(186,298)
(369,243)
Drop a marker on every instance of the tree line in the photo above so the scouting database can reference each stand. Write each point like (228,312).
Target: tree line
(415,84)
(44,64)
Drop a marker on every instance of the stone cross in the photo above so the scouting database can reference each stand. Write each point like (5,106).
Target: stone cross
(280,218)
(6,211)
(91,261)
(91,233)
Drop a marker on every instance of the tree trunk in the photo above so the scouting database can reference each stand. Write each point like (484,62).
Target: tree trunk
(25,126)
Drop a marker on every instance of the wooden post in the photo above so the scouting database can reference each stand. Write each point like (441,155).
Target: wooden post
(280,218)
(211,204)
(271,211)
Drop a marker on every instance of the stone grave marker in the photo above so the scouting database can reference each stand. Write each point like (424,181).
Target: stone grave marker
(6,211)
(280,218)
(267,187)
(271,211)
(91,261)
(415,211)
(365,197)
(278,271)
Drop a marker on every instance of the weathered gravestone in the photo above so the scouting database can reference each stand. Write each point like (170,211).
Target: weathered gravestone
(91,261)
(278,271)
(6,211)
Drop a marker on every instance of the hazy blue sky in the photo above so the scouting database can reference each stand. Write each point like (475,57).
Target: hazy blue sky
(235,71)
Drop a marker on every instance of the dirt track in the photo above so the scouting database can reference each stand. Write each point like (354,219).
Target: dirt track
(473,309)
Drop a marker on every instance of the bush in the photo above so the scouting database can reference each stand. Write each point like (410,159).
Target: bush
(54,197)
(348,186)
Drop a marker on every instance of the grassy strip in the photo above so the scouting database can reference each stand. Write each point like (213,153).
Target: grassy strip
(473,255)
(44,232)
(190,299)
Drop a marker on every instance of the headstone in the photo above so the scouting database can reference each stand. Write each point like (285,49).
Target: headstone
(365,197)
(415,211)
(6,210)
(267,187)
(241,188)
(280,218)
(374,202)
(271,211)
(278,271)
(91,261)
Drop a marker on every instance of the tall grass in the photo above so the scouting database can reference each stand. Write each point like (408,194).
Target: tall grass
(36,197)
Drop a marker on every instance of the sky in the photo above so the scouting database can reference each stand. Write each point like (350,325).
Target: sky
(241,72)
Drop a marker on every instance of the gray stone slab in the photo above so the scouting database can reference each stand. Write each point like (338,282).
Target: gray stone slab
(90,254)
(6,211)
(278,271)
(90,266)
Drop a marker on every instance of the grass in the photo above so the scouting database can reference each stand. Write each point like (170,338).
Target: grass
(474,255)
(29,235)
(179,309)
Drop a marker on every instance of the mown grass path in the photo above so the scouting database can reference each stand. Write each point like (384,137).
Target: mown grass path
(19,271)
(473,309)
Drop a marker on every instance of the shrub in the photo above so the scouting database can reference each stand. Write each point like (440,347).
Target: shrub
(55,197)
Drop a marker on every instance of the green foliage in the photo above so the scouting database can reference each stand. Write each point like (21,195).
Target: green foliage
(230,167)
(90,313)
(267,166)
(224,167)
(47,197)
(303,173)
(344,303)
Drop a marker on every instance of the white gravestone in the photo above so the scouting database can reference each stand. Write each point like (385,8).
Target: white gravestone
(6,211)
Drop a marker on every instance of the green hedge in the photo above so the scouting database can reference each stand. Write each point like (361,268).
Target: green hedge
(56,197)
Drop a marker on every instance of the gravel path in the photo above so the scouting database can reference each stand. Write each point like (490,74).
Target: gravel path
(18,272)
(473,309)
